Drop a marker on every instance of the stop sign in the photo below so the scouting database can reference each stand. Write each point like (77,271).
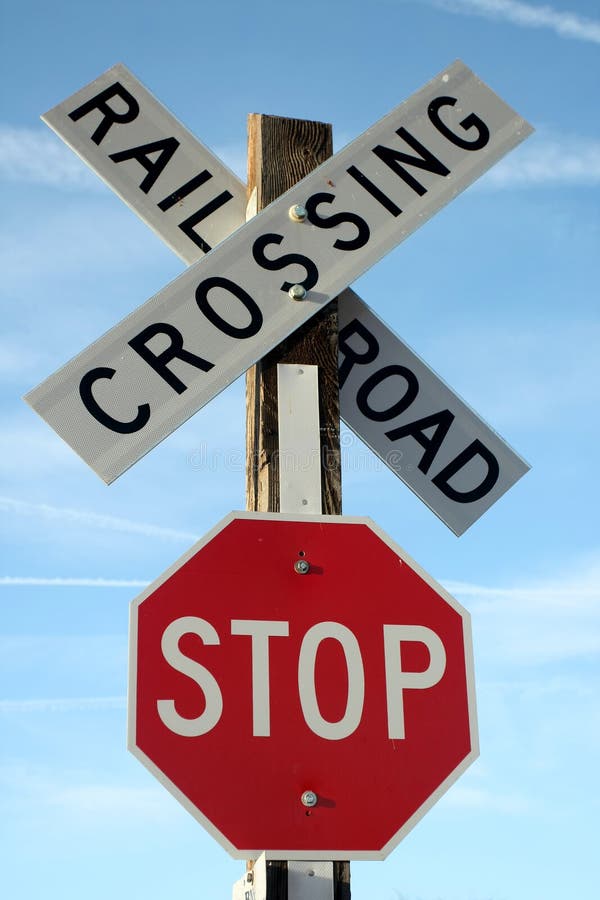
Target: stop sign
(301,686)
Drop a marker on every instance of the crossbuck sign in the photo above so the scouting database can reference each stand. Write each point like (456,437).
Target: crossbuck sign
(148,374)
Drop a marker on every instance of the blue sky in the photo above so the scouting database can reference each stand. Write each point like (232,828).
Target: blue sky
(498,293)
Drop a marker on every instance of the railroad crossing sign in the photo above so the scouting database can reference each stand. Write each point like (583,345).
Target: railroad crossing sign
(141,380)
(416,424)
(140,150)
(305,669)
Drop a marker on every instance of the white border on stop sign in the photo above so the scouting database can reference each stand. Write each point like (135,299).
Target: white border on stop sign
(294,853)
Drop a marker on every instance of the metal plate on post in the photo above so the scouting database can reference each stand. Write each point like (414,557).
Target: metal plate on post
(310,880)
(299,439)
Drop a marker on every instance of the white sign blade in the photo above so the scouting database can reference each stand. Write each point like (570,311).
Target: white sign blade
(170,179)
(416,424)
(145,377)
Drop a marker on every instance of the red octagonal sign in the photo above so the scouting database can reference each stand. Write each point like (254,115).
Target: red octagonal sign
(301,686)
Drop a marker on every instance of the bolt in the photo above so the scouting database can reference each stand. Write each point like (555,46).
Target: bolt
(309,798)
(302,567)
(297,292)
(297,213)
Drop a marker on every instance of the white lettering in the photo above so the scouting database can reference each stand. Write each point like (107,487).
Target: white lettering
(397,680)
(203,678)
(260,632)
(332,731)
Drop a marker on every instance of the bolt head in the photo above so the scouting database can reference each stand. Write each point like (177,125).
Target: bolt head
(309,798)
(298,213)
(302,567)
(297,292)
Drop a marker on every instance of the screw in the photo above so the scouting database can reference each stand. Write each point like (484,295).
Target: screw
(297,213)
(297,292)
(302,567)
(309,798)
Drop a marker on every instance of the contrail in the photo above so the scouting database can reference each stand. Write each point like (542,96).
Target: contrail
(526,15)
(92,520)
(32,581)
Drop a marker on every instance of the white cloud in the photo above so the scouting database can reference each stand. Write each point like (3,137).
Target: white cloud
(63,245)
(526,15)
(38,672)
(565,596)
(473,798)
(547,160)
(92,520)
(549,621)
(530,378)
(93,656)
(570,686)
(108,800)
(32,449)
(79,794)
(39,157)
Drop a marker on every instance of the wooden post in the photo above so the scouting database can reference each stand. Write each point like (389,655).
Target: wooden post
(281,152)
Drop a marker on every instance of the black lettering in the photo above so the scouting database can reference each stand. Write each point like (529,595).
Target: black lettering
(475,449)
(110,116)
(471,121)
(92,406)
(394,159)
(188,225)
(288,259)
(363,230)
(374,380)
(165,148)
(185,189)
(352,356)
(441,421)
(217,281)
(374,191)
(159,362)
